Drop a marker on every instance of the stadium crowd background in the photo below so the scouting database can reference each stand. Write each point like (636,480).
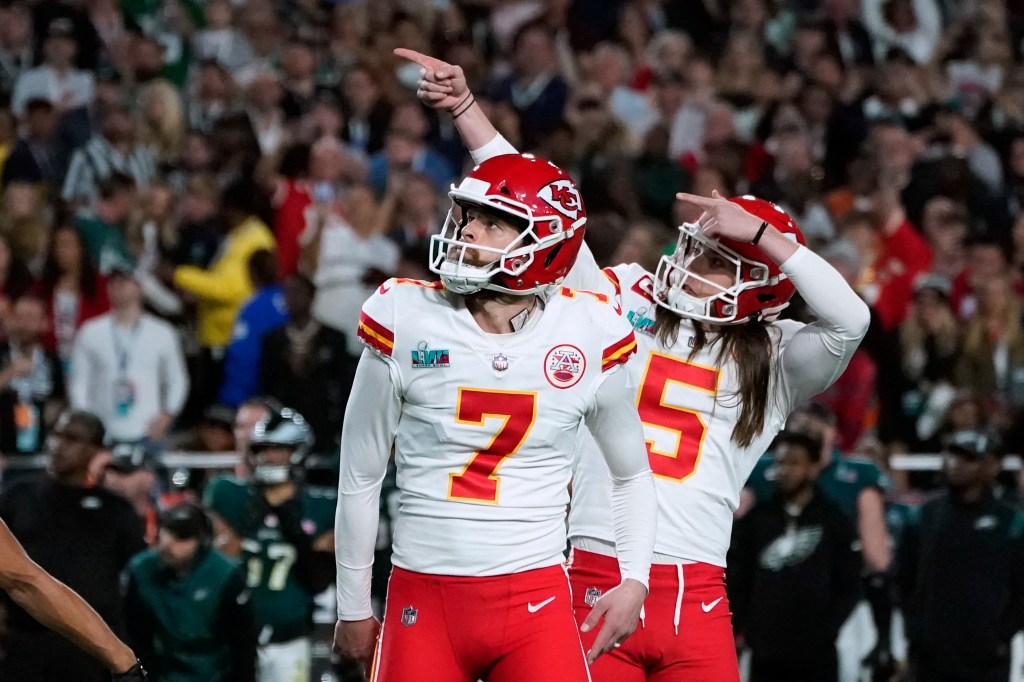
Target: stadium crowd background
(259,167)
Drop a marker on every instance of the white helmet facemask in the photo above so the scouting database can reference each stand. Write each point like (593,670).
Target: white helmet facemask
(674,272)
(448,251)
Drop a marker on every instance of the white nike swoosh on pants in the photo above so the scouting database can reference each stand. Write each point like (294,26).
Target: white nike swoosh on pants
(707,607)
(534,608)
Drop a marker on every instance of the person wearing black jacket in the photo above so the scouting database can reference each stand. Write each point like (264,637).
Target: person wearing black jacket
(960,571)
(83,535)
(306,365)
(793,572)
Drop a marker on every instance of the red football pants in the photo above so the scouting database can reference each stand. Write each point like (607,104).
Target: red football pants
(700,649)
(506,628)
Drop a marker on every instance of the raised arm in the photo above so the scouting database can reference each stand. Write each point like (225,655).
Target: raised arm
(819,352)
(442,86)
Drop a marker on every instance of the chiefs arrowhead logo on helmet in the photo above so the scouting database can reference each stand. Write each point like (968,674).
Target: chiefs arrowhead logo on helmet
(563,197)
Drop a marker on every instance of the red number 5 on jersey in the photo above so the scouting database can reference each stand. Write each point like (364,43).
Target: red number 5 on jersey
(669,423)
(478,481)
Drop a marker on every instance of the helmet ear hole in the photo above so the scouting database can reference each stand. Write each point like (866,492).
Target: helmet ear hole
(552,254)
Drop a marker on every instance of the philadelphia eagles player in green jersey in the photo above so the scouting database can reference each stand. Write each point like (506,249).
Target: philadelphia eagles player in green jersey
(284,529)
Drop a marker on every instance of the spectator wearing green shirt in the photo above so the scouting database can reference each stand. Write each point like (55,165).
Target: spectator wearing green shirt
(187,605)
(102,226)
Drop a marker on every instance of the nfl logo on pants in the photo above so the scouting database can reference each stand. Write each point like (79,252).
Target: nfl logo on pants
(408,616)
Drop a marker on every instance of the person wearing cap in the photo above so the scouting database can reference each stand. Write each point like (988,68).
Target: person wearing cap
(283,529)
(131,472)
(81,534)
(960,570)
(128,366)
(187,605)
(56,79)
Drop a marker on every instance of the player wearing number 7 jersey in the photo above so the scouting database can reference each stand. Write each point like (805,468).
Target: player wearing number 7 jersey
(480,382)
(717,376)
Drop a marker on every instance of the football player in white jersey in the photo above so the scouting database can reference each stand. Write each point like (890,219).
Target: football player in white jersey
(480,383)
(717,376)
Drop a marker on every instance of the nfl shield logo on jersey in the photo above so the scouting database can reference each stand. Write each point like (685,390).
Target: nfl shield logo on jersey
(409,616)
(591,596)
(564,365)
(499,363)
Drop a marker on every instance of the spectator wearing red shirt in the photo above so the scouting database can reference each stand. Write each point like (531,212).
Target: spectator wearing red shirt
(72,288)
(308,175)
(893,253)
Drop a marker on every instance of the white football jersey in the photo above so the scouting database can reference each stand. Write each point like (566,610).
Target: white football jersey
(688,407)
(488,422)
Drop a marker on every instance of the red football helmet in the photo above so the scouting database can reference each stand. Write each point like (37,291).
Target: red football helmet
(534,194)
(760,290)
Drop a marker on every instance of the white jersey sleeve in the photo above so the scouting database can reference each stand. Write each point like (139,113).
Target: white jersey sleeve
(371,419)
(817,354)
(496,147)
(368,433)
(616,428)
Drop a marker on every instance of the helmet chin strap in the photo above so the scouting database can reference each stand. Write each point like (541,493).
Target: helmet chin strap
(463,279)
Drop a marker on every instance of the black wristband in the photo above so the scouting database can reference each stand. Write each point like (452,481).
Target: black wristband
(760,231)
(460,102)
(472,100)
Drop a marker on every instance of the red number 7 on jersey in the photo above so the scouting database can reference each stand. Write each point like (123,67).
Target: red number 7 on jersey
(478,481)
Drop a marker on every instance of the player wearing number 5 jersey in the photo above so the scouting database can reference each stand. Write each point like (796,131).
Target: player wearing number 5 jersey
(480,382)
(717,376)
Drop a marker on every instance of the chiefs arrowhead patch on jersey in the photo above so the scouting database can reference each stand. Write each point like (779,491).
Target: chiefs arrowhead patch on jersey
(564,366)
(563,197)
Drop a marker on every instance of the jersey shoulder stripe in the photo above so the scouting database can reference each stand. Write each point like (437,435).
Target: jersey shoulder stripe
(618,353)
(573,293)
(423,284)
(614,279)
(375,335)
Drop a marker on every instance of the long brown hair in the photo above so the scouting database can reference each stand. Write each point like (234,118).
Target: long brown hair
(751,342)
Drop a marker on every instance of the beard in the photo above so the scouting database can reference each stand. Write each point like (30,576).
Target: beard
(470,256)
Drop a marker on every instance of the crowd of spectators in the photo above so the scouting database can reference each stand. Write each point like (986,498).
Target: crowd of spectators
(197,196)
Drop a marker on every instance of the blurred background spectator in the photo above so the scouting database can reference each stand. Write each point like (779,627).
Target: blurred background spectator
(82,535)
(176,634)
(128,368)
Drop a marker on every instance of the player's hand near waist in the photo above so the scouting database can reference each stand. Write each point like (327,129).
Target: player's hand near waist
(356,639)
(620,608)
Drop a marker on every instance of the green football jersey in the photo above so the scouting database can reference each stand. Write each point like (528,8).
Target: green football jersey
(842,480)
(279,600)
